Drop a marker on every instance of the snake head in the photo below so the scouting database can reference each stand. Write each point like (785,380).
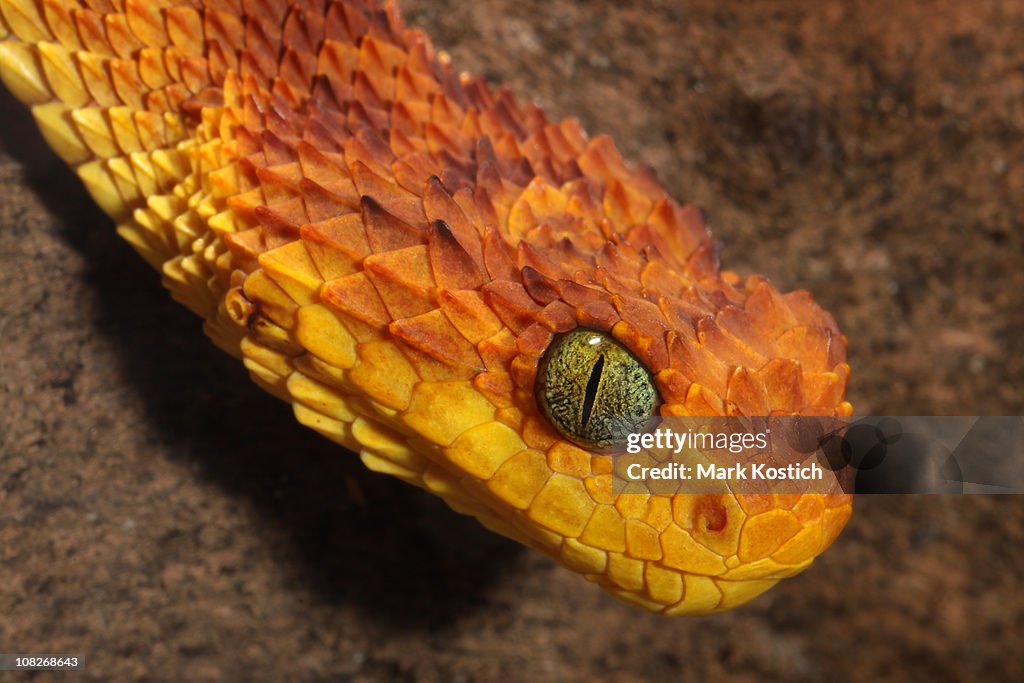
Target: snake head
(470,334)
(405,255)
(618,312)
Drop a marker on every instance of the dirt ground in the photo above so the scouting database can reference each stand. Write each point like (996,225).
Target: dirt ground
(163,518)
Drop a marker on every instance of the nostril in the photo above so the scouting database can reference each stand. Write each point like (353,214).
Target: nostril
(711,517)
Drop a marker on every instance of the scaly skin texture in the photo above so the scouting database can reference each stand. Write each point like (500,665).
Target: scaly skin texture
(391,247)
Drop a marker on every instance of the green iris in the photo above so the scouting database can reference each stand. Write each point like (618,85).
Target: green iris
(594,391)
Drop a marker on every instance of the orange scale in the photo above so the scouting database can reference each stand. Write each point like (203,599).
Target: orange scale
(470,315)
(523,371)
(702,264)
(498,388)
(768,307)
(783,380)
(701,401)
(641,314)
(499,350)
(806,309)
(302,30)
(672,385)
(537,433)
(748,393)
(613,282)
(649,348)
(224,28)
(511,303)
(558,316)
(124,77)
(355,295)
(576,294)
(396,201)
(541,289)
(731,350)
(598,315)
(534,340)
(811,345)
(432,334)
(438,204)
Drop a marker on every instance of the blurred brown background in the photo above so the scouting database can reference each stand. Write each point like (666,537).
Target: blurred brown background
(165,519)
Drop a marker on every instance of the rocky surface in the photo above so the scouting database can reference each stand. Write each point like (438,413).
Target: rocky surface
(163,518)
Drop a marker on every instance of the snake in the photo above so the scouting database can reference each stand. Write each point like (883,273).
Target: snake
(436,276)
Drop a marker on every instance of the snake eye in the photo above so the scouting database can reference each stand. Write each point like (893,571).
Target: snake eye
(593,390)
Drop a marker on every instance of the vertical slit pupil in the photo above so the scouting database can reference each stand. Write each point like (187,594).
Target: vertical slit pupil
(591,394)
